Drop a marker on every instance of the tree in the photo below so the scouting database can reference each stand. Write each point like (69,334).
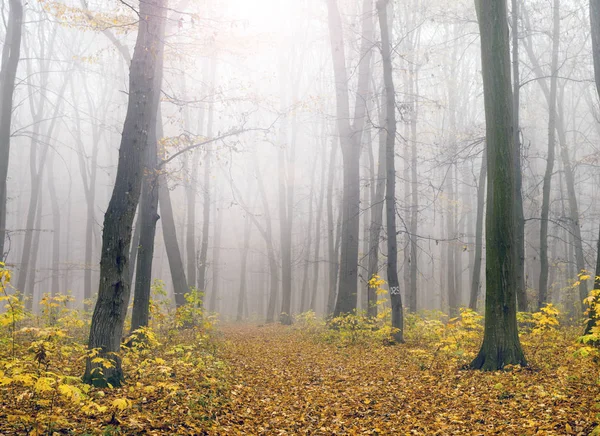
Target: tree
(521,290)
(390,187)
(114,288)
(543,291)
(350,139)
(501,344)
(11,52)
(595,27)
(476,280)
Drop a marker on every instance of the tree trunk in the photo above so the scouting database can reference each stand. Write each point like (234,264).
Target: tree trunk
(476,280)
(11,52)
(242,298)
(203,258)
(113,292)
(453,303)
(55,287)
(32,271)
(414,207)
(140,314)
(216,254)
(350,140)
(333,258)
(521,289)
(317,264)
(180,283)
(543,291)
(595,26)
(501,344)
(304,300)
(390,186)
(377,216)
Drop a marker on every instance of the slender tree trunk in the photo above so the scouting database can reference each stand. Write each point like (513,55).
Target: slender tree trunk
(377,216)
(190,193)
(216,254)
(203,258)
(55,287)
(390,189)
(304,298)
(140,314)
(573,205)
(317,265)
(332,257)
(180,283)
(242,298)
(453,302)
(11,51)
(31,301)
(543,291)
(350,140)
(476,280)
(414,209)
(113,293)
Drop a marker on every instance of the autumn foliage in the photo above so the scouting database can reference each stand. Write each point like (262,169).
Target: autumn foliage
(186,376)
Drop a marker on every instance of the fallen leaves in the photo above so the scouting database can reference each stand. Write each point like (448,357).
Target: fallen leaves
(289,383)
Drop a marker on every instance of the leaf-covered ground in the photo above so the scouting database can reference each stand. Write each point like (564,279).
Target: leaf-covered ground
(286,382)
(276,380)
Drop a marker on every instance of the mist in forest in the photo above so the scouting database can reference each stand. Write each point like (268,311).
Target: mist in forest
(250,147)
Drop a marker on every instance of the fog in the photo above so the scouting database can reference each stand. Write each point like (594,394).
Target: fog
(249,89)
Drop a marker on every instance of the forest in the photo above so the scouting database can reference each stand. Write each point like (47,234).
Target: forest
(285,217)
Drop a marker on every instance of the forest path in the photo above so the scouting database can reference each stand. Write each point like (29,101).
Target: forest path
(287,382)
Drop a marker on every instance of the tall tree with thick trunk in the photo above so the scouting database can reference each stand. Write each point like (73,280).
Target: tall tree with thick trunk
(501,344)
(595,26)
(390,187)
(113,293)
(11,52)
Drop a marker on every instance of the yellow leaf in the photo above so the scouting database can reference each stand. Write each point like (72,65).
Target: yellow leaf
(121,403)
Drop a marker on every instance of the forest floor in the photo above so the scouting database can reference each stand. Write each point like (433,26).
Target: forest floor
(287,382)
(306,379)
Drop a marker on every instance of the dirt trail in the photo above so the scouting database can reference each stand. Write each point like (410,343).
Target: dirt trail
(285,383)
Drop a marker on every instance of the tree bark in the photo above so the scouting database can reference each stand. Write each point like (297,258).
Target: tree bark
(180,283)
(317,264)
(377,216)
(242,298)
(521,289)
(476,280)
(140,314)
(11,51)
(546,189)
(350,139)
(501,344)
(390,186)
(216,254)
(55,287)
(595,31)
(203,257)
(114,289)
